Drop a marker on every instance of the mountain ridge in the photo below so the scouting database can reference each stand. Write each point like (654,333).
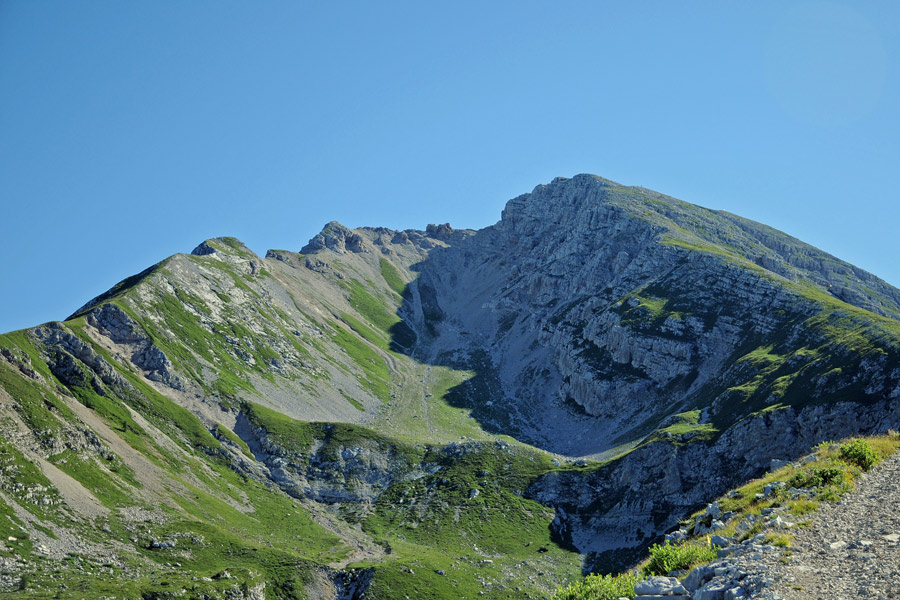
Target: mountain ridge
(602,355)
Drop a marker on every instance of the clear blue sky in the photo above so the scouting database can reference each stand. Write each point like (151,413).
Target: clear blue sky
(130,131)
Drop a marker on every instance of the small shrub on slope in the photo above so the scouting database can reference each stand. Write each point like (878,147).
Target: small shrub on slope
(600,587)
(816,478)
(669,557)
(858,452)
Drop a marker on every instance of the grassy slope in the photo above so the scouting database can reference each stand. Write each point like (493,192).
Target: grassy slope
(498,527)
(750,243)
(201,501)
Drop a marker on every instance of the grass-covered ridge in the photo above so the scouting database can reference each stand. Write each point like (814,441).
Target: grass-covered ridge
(209,519)
(749,244)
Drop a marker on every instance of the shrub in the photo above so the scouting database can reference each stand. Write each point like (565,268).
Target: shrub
(818,478)
(599,587)
(858,452)
(668,557)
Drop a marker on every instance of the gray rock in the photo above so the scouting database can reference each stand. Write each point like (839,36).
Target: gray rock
(735,593)
(658,585)
(337,238)
(772,488)
(714,525)
(676,536)
(710,591)
(112,321)
(698,577)
(780,523)
(777,463)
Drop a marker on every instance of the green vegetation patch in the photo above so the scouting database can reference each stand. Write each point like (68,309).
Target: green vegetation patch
(600,587)
(35,405)
(474,494)
(20,340)
(24,481)
(353,401)
(675,557)
(112,483)
(377,376)
(376,311)
(231,245)
(685,428)
(378,339)
(466,526)
(297,437)
(392,277)
(292,435)
(860,453)
(223,432)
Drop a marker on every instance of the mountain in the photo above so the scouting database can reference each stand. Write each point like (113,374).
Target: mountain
(432,414)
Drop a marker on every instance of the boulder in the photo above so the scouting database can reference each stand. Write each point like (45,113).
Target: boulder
(659,586)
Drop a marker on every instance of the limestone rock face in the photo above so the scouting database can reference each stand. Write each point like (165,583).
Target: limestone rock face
(121,329)
(646,492)
(352,473)
(627,304)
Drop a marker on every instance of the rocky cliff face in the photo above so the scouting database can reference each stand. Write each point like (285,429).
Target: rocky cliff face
(576,377)
(634,307)
(628,502)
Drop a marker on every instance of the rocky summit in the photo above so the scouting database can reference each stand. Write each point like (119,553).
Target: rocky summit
(429,414)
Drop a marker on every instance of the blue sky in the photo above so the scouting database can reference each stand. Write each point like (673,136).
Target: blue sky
(131,131)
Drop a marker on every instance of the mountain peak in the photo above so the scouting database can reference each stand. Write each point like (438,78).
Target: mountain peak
(225,245)
(336,237)
(587,205)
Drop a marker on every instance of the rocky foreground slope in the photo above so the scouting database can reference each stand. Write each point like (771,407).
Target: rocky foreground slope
(848,550)
(435,413)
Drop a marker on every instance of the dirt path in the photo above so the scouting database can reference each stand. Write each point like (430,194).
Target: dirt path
(851,549)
